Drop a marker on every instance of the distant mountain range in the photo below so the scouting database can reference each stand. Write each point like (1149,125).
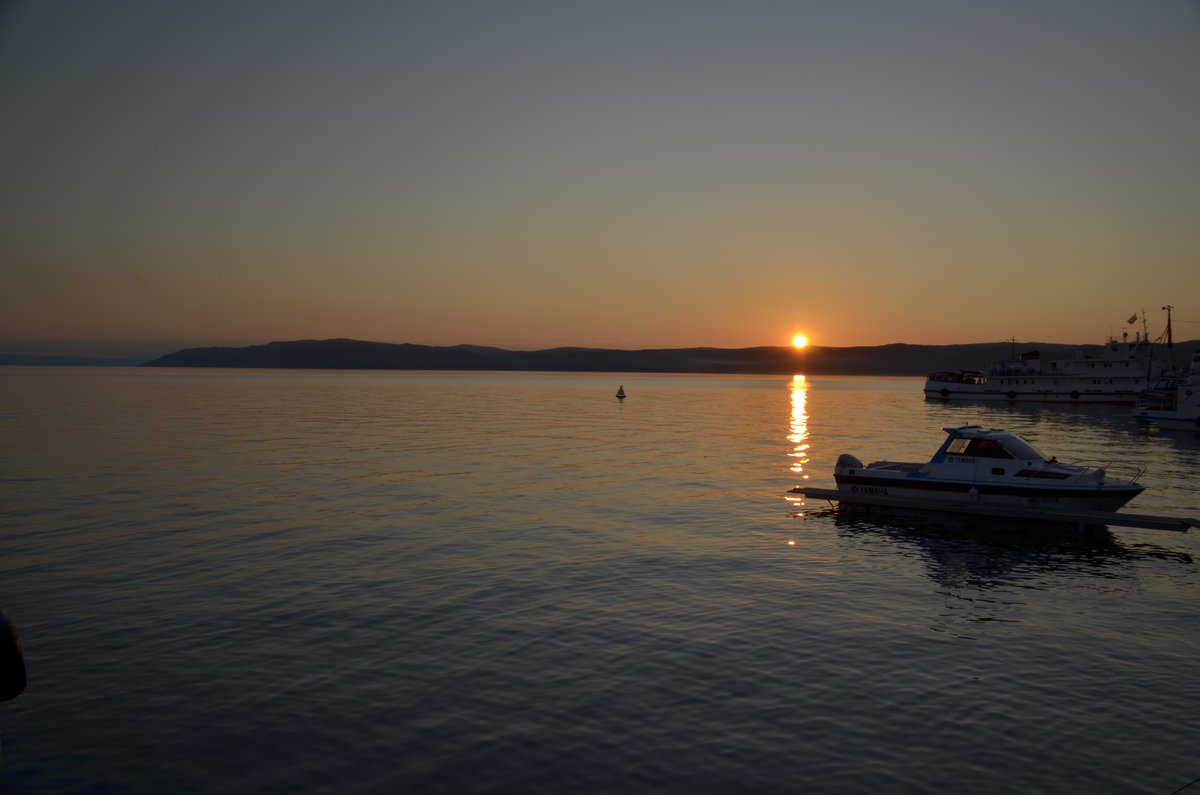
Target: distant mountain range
(895,359)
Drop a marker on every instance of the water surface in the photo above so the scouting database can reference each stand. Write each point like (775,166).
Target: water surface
(271,581)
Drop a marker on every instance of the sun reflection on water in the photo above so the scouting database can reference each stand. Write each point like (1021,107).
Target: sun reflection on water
(798,435)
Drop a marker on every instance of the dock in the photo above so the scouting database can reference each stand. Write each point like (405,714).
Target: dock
(1078,518)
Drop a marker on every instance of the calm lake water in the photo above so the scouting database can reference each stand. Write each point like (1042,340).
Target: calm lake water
(271,581)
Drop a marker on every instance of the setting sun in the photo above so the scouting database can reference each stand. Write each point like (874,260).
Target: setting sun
(799,341)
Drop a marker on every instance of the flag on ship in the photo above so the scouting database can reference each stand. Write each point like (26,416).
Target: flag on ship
(1132,319)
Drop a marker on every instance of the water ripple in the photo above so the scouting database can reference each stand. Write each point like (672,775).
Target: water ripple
(261,582)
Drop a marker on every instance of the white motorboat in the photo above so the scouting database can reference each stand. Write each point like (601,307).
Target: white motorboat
(1176,402)
(988,466)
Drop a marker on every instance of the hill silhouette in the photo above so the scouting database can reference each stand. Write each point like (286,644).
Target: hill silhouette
(898,359)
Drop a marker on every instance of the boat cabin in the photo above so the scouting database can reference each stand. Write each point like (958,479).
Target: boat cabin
(975,441)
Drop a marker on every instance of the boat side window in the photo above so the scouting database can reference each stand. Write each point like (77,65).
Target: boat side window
(987,448)
(957,446)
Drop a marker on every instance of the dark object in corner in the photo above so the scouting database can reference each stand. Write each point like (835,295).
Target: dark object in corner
(12,661)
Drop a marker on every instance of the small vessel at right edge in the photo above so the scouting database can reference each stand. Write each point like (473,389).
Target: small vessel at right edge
(1175,402)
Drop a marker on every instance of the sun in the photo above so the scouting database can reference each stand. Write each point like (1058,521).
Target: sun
(799,341)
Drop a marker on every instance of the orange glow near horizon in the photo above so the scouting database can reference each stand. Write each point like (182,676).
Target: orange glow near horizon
(799,341)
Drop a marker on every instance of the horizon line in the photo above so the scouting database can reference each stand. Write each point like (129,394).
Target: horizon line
(112,351)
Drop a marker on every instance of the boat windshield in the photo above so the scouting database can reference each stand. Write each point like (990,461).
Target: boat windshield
(1010,447)
(1021,449)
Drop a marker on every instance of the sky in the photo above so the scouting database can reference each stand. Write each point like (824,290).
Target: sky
(627,174)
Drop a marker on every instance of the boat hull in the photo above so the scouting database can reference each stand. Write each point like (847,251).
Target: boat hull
(1108,498)
(1171,419)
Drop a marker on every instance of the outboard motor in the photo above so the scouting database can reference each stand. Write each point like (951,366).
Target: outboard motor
(847,461)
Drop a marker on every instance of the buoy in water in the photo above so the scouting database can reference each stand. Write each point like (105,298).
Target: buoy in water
(12,662)
(621,392)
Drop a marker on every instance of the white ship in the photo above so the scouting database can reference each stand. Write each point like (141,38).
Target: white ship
(1117,374)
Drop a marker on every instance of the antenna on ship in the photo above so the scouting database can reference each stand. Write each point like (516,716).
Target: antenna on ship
(1170,340)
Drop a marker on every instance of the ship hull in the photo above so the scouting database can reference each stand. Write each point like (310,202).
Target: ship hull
(935,390)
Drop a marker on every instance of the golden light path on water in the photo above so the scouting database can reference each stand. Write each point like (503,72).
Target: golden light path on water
(798,434)
(799,425)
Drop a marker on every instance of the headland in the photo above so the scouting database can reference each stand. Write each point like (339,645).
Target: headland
(896,359)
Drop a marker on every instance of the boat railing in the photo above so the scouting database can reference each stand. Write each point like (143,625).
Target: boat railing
(1135,472)
(1155,399)
(1119,471)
